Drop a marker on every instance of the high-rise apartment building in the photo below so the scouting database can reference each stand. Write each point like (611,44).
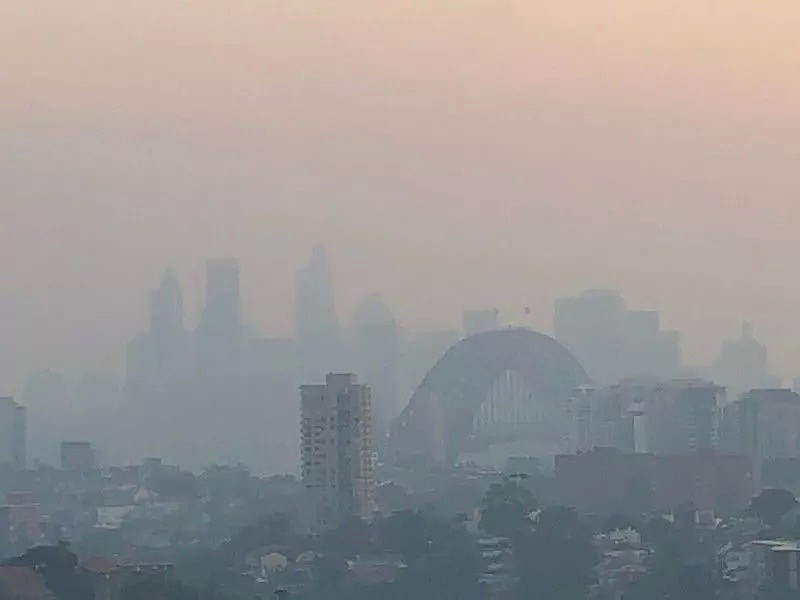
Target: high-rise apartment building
(336,431)
(13,431)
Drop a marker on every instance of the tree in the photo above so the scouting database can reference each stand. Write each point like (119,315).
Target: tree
(59,567)
(329,575)
(557,559)
(506,509)
(771,505)
(442,559)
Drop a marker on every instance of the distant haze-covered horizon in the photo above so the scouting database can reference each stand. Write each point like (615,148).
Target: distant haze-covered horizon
(451,155)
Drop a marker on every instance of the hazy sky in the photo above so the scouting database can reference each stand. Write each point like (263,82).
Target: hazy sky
(451,154)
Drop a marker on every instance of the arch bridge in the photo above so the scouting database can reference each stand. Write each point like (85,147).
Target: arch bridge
(496,386)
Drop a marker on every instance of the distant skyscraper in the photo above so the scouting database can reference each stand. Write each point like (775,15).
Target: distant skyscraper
(742,365)
(591,327)
(159,363)
(649,351)
(219,334)
(13,432)
(481,321)
(377,354)
(222,314)
(336,431)
(77,456)
(317,327)
(314,296)
(166,308)
(612,342)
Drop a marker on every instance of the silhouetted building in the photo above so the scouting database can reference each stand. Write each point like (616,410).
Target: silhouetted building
(336,431)
(591,327)
(13,433)
(160,364)
(764,424)
(377,356)
(166,307)
(670,417)
(418,354)
(614,343)
(221,315)
(481,321)
(220,330)
(77,457)
(743,365)
(316,324)
(649,350)
(609,481)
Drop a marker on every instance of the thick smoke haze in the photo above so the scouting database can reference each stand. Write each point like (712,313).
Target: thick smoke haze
(450,155)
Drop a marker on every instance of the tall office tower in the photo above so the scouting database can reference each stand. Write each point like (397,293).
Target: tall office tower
(219,334)
(742,365)
(481,321)
(377,356)
(222,313)
(166,307)
(615,343)
(159,364)
(591,327)
(649,350)
(13,431)
(336,433)
(316,324)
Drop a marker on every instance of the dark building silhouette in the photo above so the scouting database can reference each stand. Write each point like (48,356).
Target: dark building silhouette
(377,356)
(612,342)
(608,481)
(764,424)
(220,330)
(743,364)
(160,364)
(317,328)
(13,433)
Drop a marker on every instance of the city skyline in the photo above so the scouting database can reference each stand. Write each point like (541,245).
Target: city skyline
(192,300)
(646,148)
(431,299)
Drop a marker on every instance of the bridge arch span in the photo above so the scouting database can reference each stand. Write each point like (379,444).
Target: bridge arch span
(439,419)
